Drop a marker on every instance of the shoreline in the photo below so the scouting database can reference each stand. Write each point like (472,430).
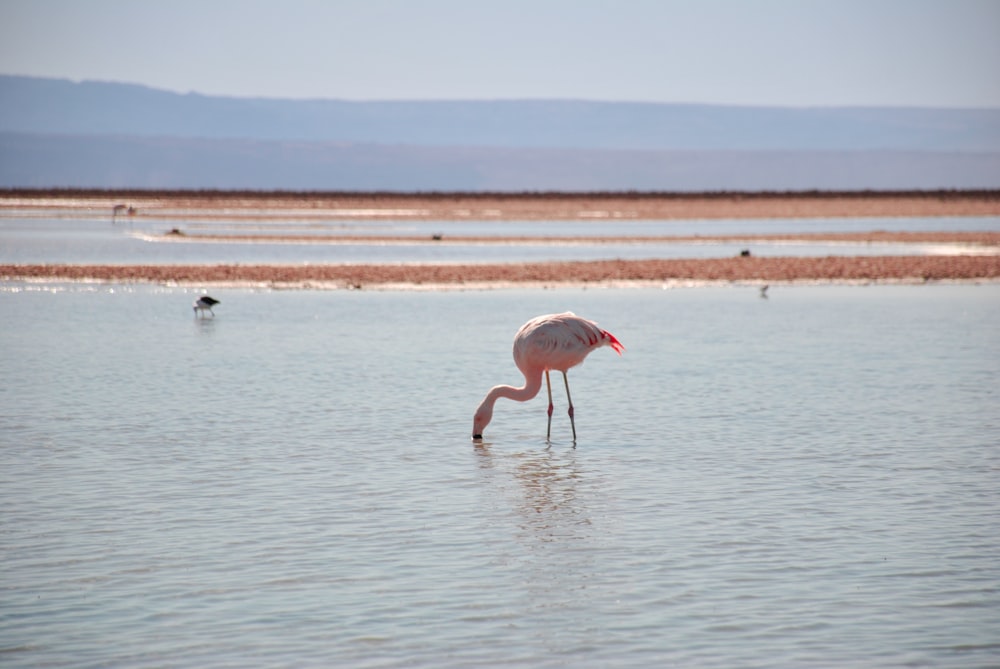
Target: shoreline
(749,270)
(255,206)
(540,206)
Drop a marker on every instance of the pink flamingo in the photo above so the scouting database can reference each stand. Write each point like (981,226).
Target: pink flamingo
(555,341)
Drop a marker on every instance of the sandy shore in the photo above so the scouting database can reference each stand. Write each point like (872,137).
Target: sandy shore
(752,269)
(503,206)
(533,206)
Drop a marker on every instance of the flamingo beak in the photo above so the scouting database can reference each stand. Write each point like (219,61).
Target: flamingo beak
(477,437)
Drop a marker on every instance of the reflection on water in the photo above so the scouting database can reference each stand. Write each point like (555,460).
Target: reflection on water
(546,497)
(205,326)
(551,502)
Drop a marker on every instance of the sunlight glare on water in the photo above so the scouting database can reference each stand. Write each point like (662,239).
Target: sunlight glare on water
(805,480)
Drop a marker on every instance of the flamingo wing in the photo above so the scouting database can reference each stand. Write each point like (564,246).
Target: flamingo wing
(559,341)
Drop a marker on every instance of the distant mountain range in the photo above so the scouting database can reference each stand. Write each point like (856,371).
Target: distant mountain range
(93,134)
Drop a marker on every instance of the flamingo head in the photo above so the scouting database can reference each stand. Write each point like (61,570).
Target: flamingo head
(484,414)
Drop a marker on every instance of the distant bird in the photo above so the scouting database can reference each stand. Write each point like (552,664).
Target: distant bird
(204,303)
(555,341)
(763,291)
(117,209)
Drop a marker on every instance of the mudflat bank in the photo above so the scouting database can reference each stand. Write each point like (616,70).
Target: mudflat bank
(250,205)
(748,269)
(504,206)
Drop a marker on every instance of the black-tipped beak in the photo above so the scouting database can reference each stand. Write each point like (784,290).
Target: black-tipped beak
(477,437)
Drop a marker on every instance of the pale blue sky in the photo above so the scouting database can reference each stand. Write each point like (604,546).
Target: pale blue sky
(759,52)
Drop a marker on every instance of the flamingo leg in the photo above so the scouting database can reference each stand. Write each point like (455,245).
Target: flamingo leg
(570,400)
(548,386)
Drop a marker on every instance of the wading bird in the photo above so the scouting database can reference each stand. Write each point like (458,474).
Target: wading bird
(204,303)
(555,341)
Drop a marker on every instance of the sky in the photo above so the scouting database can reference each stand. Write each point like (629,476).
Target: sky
(802,53)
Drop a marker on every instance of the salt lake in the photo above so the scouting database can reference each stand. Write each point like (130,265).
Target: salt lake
(806,480)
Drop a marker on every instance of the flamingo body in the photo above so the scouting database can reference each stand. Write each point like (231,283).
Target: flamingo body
(551,342)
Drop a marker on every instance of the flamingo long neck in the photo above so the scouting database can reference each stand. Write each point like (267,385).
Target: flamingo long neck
(532,384)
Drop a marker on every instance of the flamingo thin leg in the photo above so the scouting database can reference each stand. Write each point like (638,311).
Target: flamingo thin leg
(570,400)
(548,385)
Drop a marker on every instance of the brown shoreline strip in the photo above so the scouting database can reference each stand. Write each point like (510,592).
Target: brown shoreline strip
(832,268)
(551,206)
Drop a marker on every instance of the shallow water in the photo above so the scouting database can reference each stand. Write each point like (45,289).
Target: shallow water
(143,241)
(805,480)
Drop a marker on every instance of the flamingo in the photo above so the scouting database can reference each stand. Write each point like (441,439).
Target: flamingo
(553,341)
(205,302)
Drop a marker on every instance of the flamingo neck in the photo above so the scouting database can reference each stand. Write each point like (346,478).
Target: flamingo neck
(532,384)
(484,414)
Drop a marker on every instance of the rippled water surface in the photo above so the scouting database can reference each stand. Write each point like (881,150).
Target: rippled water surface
(808,480)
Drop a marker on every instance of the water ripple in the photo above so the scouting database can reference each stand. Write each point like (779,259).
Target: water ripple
(806,481)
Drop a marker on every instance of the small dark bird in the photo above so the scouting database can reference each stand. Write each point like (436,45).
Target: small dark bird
(204,303)
(763,291)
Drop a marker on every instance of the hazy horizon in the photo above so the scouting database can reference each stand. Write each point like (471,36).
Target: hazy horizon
(680,103)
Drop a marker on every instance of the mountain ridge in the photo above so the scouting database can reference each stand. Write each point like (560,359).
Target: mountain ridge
(53,106)
(58,133)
